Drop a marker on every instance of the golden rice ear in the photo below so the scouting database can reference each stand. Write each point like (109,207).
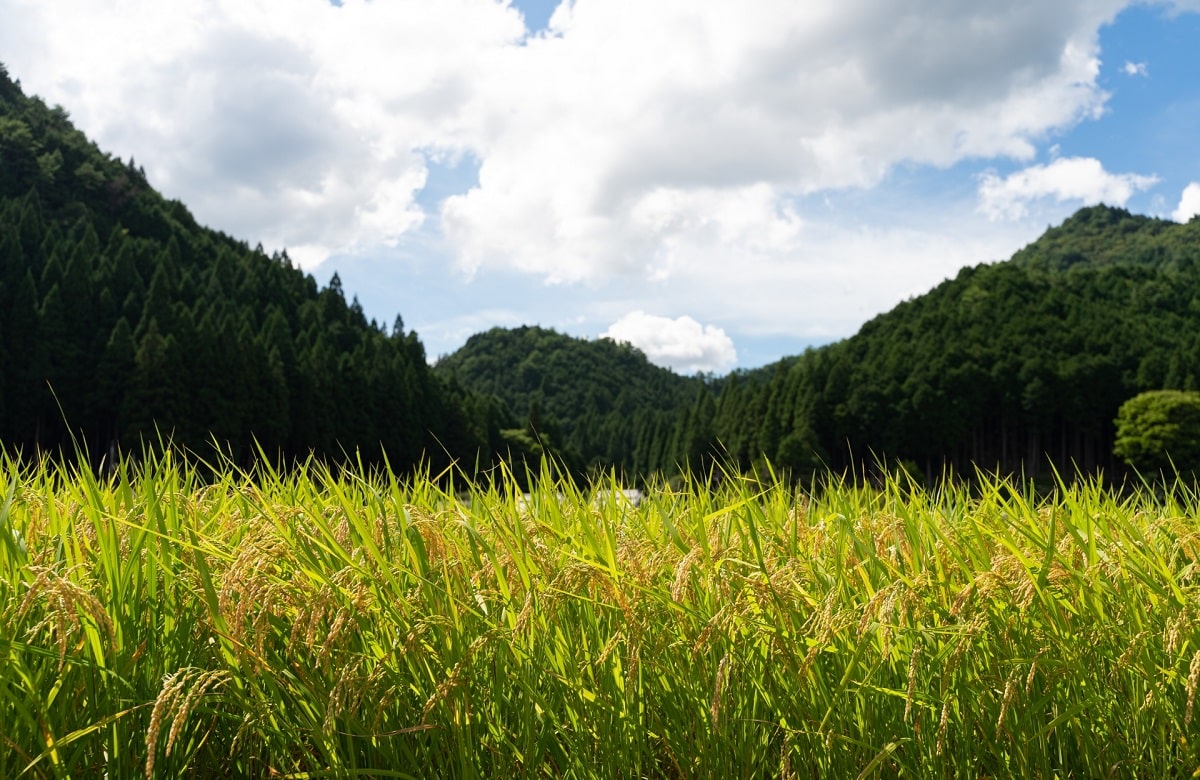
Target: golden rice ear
(1193,680)
(164,705)
(943,727)
(63,604)
(718,690)
(913,662)
(180,692)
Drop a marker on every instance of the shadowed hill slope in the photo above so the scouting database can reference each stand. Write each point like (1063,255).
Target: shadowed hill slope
(1017,365)
(122,319)
(604,403)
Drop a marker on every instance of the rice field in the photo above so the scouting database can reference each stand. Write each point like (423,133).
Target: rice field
(161,623)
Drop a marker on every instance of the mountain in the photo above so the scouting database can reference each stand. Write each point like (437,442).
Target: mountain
(1102,235)
(596,402)
(122,319)
(1019,365)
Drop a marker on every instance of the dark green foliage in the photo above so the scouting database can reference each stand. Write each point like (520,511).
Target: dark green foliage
(166,329)
(1018,366)
(1158,432)
(1101,235)
(596,404)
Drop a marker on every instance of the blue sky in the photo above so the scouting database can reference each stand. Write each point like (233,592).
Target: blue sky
(721,184)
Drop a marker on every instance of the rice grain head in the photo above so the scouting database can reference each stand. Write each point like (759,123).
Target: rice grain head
(1192,681)
(201,685)
(682,571)
(943,726)
(66,602)
(719,690)
(1010,693)
(174,702)
(913,663)
(1033,667)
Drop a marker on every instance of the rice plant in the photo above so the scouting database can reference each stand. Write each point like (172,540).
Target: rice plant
(160,623)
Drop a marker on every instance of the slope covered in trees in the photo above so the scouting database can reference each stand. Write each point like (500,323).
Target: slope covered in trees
(1020,365)
(120,318)
(597,403)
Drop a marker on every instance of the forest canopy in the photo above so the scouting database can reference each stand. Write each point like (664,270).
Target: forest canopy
(1017,366)
(124,322)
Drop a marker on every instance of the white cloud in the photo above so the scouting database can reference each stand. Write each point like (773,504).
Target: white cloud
(1189,203)
(681,344)
(668,156)
(626,134)
(1079,179)
(836,276)
(1136,69)
(849,260)
(293,122)
(712,110)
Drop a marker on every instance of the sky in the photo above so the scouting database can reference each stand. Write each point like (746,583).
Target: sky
(719,183)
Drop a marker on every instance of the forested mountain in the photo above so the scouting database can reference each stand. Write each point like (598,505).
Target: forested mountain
(1018,365)
(121,318)
(596,403)
(1106,236)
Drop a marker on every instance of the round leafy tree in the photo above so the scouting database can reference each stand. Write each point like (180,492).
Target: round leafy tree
(1159,431)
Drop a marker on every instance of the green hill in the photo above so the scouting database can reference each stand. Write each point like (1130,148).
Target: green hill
(121,318)
(1019,365)
(1102,235)
(599,402)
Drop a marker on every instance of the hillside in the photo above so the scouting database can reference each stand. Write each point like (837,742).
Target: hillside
(1101,235)
(122,319)
(601,402)
(1019,365)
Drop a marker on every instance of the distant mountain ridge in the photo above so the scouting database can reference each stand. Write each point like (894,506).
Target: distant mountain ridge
(604,403)
(1103,235)
(1018,365)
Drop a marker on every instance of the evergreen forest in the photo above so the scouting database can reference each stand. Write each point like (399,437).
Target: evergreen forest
(124,323)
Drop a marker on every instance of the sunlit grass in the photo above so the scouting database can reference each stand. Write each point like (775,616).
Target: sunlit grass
(326,624)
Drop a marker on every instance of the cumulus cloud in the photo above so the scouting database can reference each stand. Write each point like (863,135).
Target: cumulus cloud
(1136,69)
(1081,179)
(609,143)
(293,122)
(835,277)
(1189,203)
(681,344)
(587,133)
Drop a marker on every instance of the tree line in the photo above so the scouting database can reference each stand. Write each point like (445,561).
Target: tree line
(123,321)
